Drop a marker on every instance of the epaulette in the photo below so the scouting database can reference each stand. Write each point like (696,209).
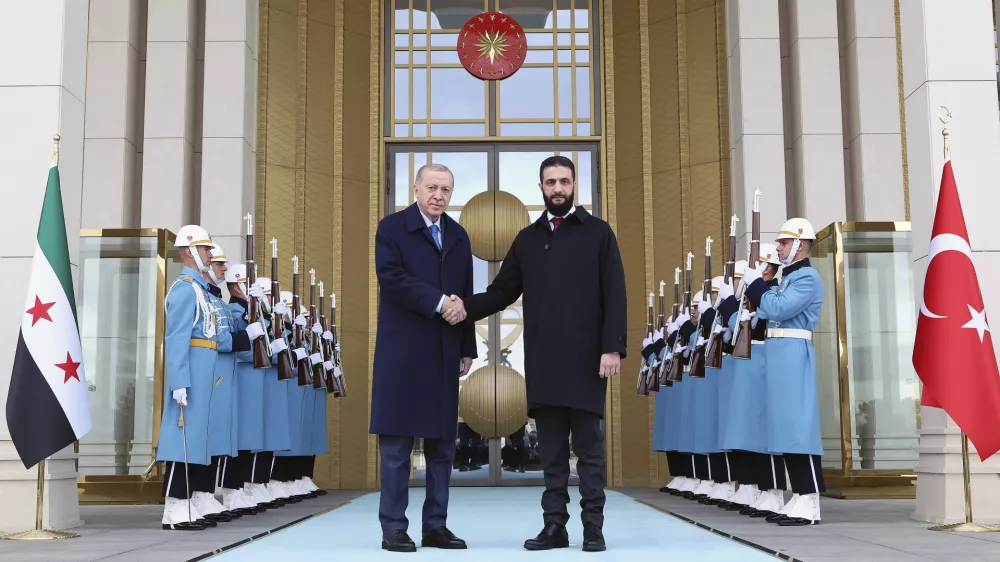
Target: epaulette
(187,278)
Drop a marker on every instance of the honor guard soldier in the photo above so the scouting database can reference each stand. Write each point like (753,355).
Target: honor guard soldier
(224,416)
(287,463)
(710,411)
(191,348)
(792,311)
(669,400)
(700,483)
(705,392)
(726,306)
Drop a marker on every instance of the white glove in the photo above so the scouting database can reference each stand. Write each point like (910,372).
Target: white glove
(671,328)
(658,335)
(328,365)
(317,329)
(727,335)
(281,309)
(300,354)
(300,320)
(704,306)
(337,372)
(687,351)
(648,341)
(753,320)
(337,347)
(256,291)
(181,396)
(682,319)
(316,358)
(701,342)
(255,330)
(726,290)
(745,316)
(279,345)
(718,329)
(752,274)
(328,335)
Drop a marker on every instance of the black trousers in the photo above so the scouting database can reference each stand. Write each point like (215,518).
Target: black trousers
(254,468)
(555,426)
(201,478)
(770,472)
(805,473)
(721,469)
(230,472)
(700,466)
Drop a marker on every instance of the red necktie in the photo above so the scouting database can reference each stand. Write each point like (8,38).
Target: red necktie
(556,221)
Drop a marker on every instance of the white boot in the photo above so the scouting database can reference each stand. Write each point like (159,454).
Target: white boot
(234,500)
(206,503)
(243,499)
(772,501)
(724,491)
(705,488)
(690,485)
(175,512)
(746,495)
(299,488)
(677,482)
(804,511)
(257,494)
(310,485)
(790,505)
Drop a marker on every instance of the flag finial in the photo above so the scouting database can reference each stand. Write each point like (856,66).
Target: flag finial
(55,148)
(945,116)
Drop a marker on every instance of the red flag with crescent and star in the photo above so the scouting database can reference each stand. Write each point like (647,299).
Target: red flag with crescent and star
(953,352)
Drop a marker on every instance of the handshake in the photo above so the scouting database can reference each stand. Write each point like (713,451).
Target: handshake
(453,310)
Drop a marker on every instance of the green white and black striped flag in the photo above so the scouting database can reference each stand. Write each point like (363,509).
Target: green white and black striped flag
(47,406)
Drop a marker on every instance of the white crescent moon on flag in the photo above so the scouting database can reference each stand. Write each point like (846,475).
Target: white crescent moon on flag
(944,243)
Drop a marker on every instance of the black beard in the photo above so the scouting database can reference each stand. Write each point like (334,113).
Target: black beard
(561,209)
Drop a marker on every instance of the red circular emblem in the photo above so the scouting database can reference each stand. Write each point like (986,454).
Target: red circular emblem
(492,46)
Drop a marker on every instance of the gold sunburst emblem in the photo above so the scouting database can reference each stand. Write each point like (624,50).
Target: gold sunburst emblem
(492,44)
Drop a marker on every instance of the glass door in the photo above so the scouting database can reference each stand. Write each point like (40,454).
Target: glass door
(496,187)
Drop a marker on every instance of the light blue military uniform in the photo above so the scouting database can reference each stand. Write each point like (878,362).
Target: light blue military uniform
(793,416)
(661,411)
(249,392)
(686,412)
(319,444)
(295,401)
(223,424)
(746,423)
(190,345)
(706,432)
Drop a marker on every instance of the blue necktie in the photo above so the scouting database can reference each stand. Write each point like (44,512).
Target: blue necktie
(436,233)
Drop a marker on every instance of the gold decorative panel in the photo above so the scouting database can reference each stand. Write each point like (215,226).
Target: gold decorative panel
(493,219)
(493,401)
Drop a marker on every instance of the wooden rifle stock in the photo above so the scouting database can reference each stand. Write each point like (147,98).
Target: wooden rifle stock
(304,368)
(676,372)
(742,335)
(697,369)
(285,370)
(713,359)
(642,388)
(261,358)
(668,357)
(654,373)
(331,387)
(318,370)
(340,381)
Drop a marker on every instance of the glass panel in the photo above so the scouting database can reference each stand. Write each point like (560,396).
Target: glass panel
(565,56)
(528,94)
(402,40)
(419,130)
(419,93)
(527,129)
(583,129)
(582,56)
(444,40)
(530,14)
(402,57)
(565,129)
(565,91)
(458,130)
(881,326)
(444,57)
(420,57)
(825,344)
(117,307)
(565,39)
(537,56)
(518,175)
(456,94)
(401,14)
(401,86)
(419,40)
(564,13)
(583,93)
(582,39)
(538,39)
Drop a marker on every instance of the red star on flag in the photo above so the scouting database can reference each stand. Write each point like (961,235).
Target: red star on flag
(40,311)
(70,368)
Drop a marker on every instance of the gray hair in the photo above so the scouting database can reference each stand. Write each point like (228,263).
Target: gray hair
(431,168)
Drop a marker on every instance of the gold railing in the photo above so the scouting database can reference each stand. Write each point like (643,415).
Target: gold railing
(123,280)
(863,347)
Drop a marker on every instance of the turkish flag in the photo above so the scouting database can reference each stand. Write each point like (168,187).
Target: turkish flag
(953,352)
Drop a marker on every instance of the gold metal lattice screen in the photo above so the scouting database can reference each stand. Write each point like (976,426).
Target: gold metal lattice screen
(432,95)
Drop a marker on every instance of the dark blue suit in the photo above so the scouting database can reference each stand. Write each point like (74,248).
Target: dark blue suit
(418,358)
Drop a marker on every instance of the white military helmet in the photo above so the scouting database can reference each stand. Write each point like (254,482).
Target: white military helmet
(192,235)
(265,283)
(769,253)
(698,297)
(237,273)
(797,229)
(218,254)
(716,283)
(739,267)
(303,311)
(287,298)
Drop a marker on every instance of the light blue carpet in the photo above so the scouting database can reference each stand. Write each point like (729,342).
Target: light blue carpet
(495,522)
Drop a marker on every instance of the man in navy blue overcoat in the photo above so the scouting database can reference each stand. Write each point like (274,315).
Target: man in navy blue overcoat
(421,255)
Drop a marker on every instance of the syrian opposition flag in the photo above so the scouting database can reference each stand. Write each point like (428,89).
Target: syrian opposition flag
(953,352)
(47,406)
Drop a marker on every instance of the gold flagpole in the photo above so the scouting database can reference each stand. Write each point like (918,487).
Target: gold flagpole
(967,526)
(39,534)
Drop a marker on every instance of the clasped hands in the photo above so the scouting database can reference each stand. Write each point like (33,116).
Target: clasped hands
(453,310)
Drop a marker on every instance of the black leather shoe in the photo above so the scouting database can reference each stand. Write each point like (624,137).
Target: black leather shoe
(734,507)
(759,514)
(218,517)
(776,517)
(747,510)
(593,539)
(320,492)
(442,538)
(796,522)
(398,541)
(207,522)
(185,526)
(552,536)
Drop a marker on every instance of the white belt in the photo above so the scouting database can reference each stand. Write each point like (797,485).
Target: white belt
(789,333)
(755,342)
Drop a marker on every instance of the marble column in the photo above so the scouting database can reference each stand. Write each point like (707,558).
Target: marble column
(169,199)
(816,126)
(755,116)
(229,125)
(949,60)
(43,77)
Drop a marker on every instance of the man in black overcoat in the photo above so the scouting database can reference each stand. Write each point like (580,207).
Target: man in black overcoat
(569,269)
(421,255)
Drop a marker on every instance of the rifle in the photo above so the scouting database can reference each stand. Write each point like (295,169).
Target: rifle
(713,358)
(304,366)
(668,356)
(741,333)
(261,346)
(643,385)
(285,370)
(677,365)
(315,350)
(338,373)
(704,330)
(654,369)
(331,387)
